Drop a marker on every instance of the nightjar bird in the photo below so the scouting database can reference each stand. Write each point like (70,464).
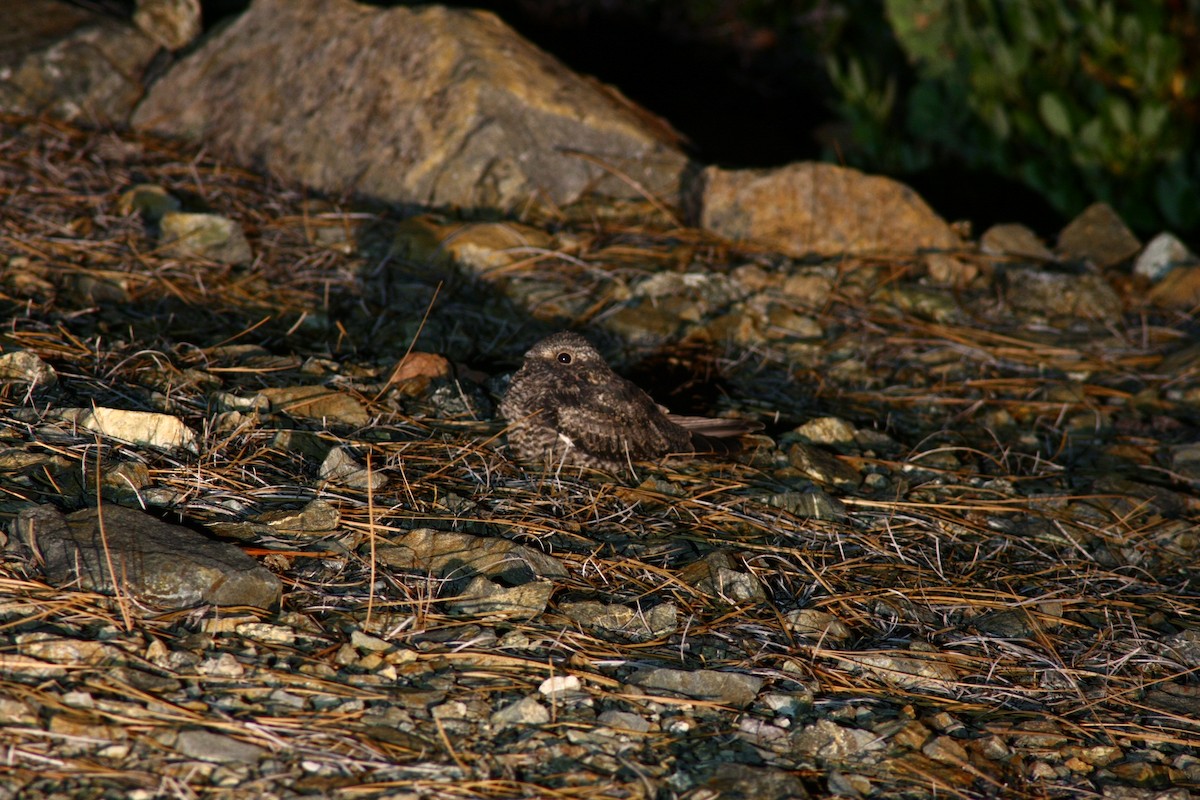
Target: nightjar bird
(566,407)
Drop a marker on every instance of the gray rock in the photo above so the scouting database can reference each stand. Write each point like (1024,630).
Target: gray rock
(631,623)
(1163,254)
(706,292)
(340,467)
(218,748)
(211,237)
(447,554)
(624,721)
(826,742)
(526,711)
(727,688)
(159,564)
(731,781)
(717,575)
(788,704)
(1184,647)
(482,597)
(60,59)
(814,208)
(426,105)
(816,625)
(1098,236)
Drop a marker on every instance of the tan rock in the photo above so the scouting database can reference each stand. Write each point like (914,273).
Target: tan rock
(24,366)
(416,371)
(172,23)
(1179,289)
(1099,236)
(140,427)
(72,63)
(208,236)
(317,402)
(813,208)
(1015,241)
(428,105)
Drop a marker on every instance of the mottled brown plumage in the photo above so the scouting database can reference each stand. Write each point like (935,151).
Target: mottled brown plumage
(566,406)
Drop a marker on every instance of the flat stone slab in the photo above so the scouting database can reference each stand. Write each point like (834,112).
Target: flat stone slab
(158,564)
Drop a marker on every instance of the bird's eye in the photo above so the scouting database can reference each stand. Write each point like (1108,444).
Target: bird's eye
(564,358)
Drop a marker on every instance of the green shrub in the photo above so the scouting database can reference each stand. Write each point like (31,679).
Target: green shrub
(1079,99)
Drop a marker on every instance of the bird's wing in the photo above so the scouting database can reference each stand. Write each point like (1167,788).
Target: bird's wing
(619,422)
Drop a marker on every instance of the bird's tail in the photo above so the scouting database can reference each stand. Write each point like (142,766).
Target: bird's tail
(715,436)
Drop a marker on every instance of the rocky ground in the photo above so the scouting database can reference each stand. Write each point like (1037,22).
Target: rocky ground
(961,560)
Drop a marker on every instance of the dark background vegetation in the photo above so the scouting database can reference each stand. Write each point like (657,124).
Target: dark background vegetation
(994,110)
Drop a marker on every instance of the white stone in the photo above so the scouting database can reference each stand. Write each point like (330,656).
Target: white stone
(1160,256)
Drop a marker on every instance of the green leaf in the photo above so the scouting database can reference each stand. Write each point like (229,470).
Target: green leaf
(1151,121)
(1090,141)
(1054,113)
(1120,115)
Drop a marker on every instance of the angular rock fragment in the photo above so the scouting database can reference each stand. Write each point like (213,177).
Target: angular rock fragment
(1098,236)
(342,468)
(717,575)
(526,711)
